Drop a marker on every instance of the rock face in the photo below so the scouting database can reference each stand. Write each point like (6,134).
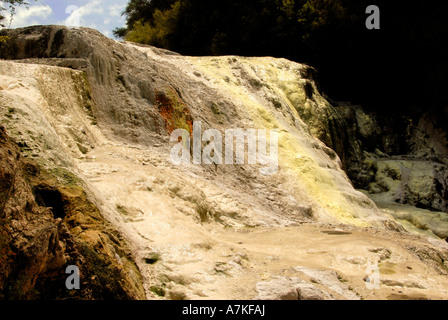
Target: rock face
(42,223)
(402,157)
(282,288)
(127,85)
(95,115)
(321,285)
(398,159)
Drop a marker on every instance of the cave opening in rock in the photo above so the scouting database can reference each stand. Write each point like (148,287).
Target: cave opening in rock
(50,198)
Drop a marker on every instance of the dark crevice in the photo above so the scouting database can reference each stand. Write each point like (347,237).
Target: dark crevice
(50,198)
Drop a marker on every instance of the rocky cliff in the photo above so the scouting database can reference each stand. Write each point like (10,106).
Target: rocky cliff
(47,223)
(399,159)
(93,117)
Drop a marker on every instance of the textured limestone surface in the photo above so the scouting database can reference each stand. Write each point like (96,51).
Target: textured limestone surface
(93,110)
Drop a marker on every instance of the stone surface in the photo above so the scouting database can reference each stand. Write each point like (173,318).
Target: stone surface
(125,83)
(396,158)
(331,280)
(95,115)
(39,221)
(284,288)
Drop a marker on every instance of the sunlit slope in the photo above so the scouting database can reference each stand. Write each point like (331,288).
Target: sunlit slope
(280,94)
(116,98)
(277,94)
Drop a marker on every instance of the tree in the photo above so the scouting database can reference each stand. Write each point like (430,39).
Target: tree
(141,11)
(158,31)
(10,9)
(378,68)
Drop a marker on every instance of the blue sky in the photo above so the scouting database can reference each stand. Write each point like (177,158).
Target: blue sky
(103,15)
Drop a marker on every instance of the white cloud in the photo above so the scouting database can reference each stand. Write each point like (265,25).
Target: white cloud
(97,14)
(103,15)
(117,9)
(78,15)
(29,16)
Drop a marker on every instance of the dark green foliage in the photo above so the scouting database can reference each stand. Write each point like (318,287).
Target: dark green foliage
(404,65)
